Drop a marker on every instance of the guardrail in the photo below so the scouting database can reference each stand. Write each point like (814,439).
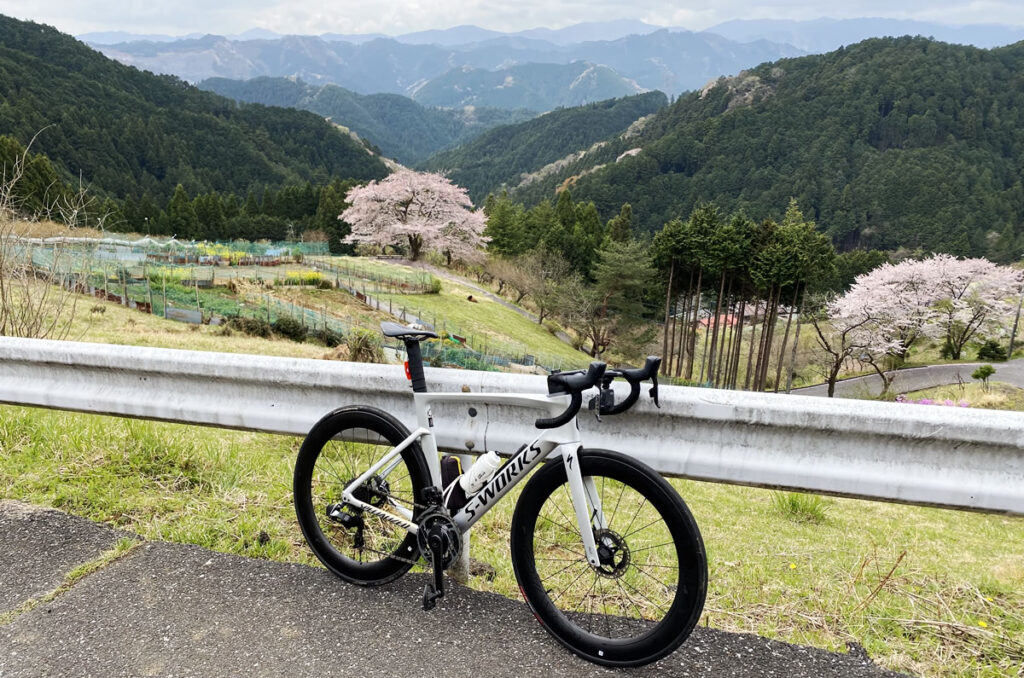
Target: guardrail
(938,456)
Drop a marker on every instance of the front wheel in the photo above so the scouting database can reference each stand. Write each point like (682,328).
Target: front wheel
(647,594)
(356,545)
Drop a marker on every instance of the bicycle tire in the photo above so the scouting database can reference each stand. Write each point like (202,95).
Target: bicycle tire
(616,621)
(337,450)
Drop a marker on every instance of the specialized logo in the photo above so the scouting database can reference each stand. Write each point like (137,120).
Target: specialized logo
(391,518)
(508,473)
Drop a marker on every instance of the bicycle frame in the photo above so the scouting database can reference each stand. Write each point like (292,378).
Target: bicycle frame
(564,441)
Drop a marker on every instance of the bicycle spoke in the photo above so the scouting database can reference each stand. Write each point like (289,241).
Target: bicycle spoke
(641,529)
(640,508)
(561,525)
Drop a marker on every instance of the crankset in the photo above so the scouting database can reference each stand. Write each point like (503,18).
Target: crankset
(441,541)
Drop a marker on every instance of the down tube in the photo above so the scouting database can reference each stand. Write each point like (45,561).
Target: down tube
(514,470)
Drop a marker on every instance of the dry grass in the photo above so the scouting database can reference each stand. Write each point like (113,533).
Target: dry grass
(120,325)
(52,229)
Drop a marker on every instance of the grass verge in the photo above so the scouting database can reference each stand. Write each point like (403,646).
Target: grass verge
(927,591)
(118,551)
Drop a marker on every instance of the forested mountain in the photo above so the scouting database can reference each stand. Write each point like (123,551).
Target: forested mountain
(539,87)
(672,61)
(401,128)
(889,143)
(504,154)
(126,132)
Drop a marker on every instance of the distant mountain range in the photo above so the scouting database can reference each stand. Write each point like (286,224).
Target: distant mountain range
(815,36)
(669,61)
(825,35)
(447,37)
(401,128)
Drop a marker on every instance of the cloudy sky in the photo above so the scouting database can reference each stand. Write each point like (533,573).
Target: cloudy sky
(393,17)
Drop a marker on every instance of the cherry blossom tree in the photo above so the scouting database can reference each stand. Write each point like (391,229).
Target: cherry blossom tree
(900,298)
(975,295)
(942,296)
(423,211)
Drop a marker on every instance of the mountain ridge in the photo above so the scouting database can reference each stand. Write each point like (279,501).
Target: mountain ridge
(890,143)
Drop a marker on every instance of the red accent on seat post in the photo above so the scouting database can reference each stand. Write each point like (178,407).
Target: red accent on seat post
(408,375)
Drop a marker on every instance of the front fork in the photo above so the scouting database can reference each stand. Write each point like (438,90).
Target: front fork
(585,501)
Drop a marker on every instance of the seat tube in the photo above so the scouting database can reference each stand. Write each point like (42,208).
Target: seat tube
(578,492)
(412,351)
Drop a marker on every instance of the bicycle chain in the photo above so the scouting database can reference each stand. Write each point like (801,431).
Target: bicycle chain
(392,555)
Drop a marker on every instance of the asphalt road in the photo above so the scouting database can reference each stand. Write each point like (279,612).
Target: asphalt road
(917,378)
(174,610)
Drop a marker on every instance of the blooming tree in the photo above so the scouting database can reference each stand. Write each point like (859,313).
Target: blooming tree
(899,298)
(420,210)
(942,296)
(844,337)
(974,295)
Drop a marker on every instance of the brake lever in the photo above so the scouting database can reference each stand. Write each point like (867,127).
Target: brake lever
(654,390)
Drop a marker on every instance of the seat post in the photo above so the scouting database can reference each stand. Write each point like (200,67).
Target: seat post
(412,350)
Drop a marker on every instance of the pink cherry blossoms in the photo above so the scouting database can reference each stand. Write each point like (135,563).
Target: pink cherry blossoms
(423,211)
(941,297)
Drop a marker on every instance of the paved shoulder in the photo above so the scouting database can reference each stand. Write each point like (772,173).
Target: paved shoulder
(176,610)
(41,546)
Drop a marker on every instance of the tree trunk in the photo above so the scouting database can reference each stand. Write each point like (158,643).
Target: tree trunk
(728,334)
(785,338)
(796,343)
(734,370)
(684,325)
(670,345)
(692,341)
(750,351)
(767,336)
(773,320)
(415,245)
(833,375)
(668,306)
(714,332)
(704,355)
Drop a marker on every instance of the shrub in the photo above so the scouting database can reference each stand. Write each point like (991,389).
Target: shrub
(326,336)
(983,373)
(325,284)
(992,350)
(364,347)
(433,285)
(290,328)
(800,507)
(254,327)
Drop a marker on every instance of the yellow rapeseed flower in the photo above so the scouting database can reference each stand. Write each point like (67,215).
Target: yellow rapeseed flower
(982,624)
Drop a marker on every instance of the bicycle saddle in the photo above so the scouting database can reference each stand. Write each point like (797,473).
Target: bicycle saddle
(405,333)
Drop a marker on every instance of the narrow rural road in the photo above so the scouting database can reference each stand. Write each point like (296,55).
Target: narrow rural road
(917,378)
(174,610)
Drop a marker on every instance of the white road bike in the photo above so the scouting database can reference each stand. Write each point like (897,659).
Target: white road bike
(606,553)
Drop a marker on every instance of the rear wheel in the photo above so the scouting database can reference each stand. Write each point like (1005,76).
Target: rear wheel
(356,545)
(646,595)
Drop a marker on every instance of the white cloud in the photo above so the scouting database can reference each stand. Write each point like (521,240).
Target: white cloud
(401,16)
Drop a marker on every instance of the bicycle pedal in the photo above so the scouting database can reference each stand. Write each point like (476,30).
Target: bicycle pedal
(430,596)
